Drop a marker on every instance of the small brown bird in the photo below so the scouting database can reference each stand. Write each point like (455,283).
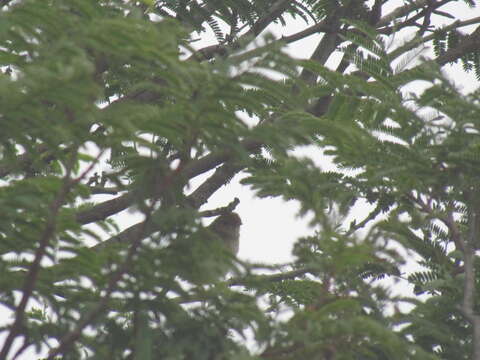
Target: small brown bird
(227,227)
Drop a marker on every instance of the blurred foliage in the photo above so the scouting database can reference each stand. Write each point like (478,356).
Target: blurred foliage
(89,85)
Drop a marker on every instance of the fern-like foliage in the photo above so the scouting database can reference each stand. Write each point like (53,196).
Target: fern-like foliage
(445,40)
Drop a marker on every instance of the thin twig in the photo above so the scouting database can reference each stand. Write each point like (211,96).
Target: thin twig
(289,275)
(222,210)
(418,41)
(401,11)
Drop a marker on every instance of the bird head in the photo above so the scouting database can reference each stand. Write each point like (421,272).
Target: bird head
(227,228)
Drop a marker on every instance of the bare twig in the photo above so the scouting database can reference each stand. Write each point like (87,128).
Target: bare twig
(289,275)
(222,210)
(322,52)
(209,52)
(275,11)
(192,169)
(105,190)
(197,199)
(402,11)
(418,41)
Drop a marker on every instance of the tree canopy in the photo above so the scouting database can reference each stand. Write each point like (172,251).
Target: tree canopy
(120,86)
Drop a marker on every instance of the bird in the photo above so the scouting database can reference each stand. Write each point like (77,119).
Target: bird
(227,228)
(208,255)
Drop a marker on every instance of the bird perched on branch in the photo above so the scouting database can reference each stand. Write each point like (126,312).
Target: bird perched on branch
(227,227)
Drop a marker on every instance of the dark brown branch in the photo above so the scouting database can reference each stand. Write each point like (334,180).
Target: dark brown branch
(197,199)
(105,209)
(209,52)
(222,210)
(418,41)
(195,168)
(220,177)
(401,11)
(320,107)
(387,30)
(314,29)
(102,211)
(105,190)
(26,344)
(128,235)
(275,11)
(427,14)
(322,52)
(289,275)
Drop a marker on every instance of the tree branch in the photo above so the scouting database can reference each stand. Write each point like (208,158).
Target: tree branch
(289,275)
(209,52)
(105,190)
(402,11)
(192,169)
(322,52)
(387,30)
(275,11)
(222,210)
(418,41)
(322,26)
(197,199)
(105,209)
(222,176)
